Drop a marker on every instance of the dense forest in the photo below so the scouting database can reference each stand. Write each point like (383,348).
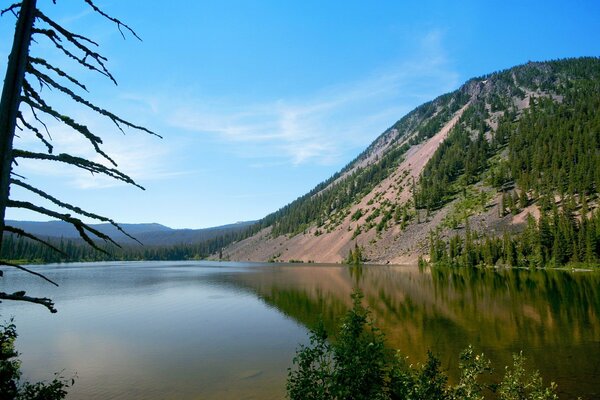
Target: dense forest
(550,147)
(546,155)
(26,250)
(559,237)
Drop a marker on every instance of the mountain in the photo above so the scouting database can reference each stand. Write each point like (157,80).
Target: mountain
(150,234)
(523,141)
(66,230)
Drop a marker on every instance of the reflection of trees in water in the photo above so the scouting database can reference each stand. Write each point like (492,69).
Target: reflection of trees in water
(553,316)
(356,272)
(548,306)
(308,309)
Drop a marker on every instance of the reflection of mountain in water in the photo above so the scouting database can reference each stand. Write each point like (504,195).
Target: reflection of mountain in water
(553,316)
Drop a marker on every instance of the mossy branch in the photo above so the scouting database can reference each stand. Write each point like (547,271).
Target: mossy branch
(75,40)
(114,118)
(55,39)
(34,100)
(58,71)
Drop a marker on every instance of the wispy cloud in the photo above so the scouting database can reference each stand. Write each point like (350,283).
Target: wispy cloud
(69,19)
(321,127)
(140,156)
(318,128)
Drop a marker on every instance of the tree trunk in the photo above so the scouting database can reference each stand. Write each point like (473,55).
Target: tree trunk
(11,98)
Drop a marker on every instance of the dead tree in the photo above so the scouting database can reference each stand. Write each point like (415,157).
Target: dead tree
(26,78)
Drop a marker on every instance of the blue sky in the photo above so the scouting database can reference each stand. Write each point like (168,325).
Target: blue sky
(259,101)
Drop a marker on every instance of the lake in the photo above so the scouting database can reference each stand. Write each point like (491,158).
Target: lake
(208,330)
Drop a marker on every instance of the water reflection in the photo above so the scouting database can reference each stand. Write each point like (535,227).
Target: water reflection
(229,330)
(553,316)
(154,331)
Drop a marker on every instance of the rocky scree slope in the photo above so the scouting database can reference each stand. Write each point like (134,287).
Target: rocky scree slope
(450,164)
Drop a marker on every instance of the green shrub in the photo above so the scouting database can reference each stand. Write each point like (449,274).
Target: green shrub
(357,365)
(11,388)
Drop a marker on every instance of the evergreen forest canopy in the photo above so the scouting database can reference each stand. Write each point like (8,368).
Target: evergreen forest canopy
(546,155)
(529,134)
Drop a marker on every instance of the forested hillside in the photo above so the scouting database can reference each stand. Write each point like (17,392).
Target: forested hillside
(511,143)
(546,159)
(459,176)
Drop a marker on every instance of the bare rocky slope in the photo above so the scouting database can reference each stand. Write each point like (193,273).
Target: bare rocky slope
(374,206)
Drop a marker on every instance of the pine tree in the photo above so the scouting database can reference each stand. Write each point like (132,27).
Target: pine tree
(502,205)
(514,202)
(523,200)
(508,250)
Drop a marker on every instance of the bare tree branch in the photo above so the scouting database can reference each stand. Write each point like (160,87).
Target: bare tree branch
(75,40)
(58,71)
(114,118)
(78,162)
(70,207)
(15,174)
(34,100)
(40,121)
(50,34)
(28,271)
(12,8)
(116,21)
(20,296)
(35,130)
(76,222)
(83,50)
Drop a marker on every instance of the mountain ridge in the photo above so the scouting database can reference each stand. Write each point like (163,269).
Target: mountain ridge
(390,197)
(150,234)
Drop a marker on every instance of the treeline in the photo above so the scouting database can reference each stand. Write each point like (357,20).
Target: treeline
(26,250)
(561,236)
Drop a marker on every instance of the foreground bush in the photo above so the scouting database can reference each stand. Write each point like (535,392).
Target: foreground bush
(356,365)
(11,387)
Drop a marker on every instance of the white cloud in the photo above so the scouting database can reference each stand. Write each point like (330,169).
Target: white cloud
(141,156)
(72,18)
(320,128)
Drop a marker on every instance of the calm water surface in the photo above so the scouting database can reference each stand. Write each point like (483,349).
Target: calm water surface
(201,330)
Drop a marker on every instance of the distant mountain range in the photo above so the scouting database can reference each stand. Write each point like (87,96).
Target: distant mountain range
(150,234)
